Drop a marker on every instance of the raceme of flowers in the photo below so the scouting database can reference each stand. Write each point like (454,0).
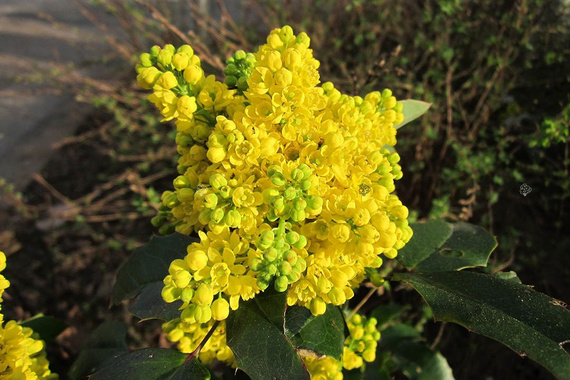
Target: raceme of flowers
(22,357)
(288,183)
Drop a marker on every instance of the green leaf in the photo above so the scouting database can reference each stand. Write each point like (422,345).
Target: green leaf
(259,345)
(190,370)
(272,303)
(412,356)
(150,304)
(412,110)
(48,328)
(323,334)
(149,264)
(148,363)
(530,323)
(437,246)
(104,344)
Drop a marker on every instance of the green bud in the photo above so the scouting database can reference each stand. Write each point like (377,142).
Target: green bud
(240,55)
(217,181)
(270,254)
(146,59)
(278,203)
(210,201)
(167,229)
(265,239)
(181,181)
(306,185)
(186,49)
(233,218)
(217,215)
(301,243)
(262,284)
(185,194)
(292,237)
(155,50)
(256,264)
(399,107)
(301,264)
(299,204)
(290,193)
(184,140)
(187,294)
(306,170)
(157,221)
(386,93)
(278,179)
(225,192)
(281,283)
(314,202)
(377,280)
(242,84)
(231,81)
(164,57)
(293,277)
(231,69)
(285,268)
(298,216)
(271,269)
(171,200)
(291,256)
(297,175)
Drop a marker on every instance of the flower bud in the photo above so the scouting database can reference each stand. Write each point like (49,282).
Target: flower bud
(217,181)
(148,77)
(167,81)
(187,294)
(164,57)
(318,306)
(220,309)
(193,74)
(180,61)
(281,283)
(203,295)
(210,201)
(196,260)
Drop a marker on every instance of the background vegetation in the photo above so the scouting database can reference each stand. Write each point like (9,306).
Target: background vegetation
(497,73)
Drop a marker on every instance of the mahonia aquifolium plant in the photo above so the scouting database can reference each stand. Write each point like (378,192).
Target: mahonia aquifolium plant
(287,183)
(22,356)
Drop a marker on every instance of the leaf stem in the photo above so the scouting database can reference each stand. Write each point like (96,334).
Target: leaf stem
(194,354)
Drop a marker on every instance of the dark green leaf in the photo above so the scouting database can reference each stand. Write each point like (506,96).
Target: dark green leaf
(105,343)
(323,334)
(260,347)
(149,264)
(439,246)
(47,327)
(529,322)
(412,110)
(385,314)
(150,304)
(191,370)
(512,276)
(412,356)
(272,303)
(148,363)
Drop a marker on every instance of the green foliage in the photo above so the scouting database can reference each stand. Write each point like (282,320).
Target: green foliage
(323,334)
(48,328)
(148,265)
(438,246)
(260,347)
(153,363)
(530,323)
(104,344)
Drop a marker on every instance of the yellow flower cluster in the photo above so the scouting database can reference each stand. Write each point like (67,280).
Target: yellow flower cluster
(359,346)
(286,181)
(22,357)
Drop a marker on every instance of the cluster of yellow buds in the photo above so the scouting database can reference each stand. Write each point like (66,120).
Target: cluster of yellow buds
(359,346)
(21,355)
(287,182)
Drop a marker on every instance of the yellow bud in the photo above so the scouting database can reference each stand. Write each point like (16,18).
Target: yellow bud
(274,41)
(180,61)
(203,296)
(182,279)
(220,309)
(167,81)
(337,296)
(196,259)
(369,355)
(341,232)
(216,154)
(318,306)
(148,77)
(203,314)
(170,293)
(400,212)
(193,74)
(186,106)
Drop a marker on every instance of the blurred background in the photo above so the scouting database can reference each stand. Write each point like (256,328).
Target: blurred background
(84,158)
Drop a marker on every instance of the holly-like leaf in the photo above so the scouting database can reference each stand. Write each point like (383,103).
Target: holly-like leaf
(48,328)
(191,370)
(104,344)
(260,346)
(412,356)
(323,334)
(148,363)
(272,303)
(437,246)
(149,304)
(149,264)
(530,323)
(412,110)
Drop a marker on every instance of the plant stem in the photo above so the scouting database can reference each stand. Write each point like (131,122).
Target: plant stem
(361,303)
(195,353)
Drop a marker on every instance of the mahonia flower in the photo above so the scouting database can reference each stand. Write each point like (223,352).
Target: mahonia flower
(22,356)
(287,182)
(359,347)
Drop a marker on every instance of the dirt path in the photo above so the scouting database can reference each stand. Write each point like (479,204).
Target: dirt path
(43,44)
